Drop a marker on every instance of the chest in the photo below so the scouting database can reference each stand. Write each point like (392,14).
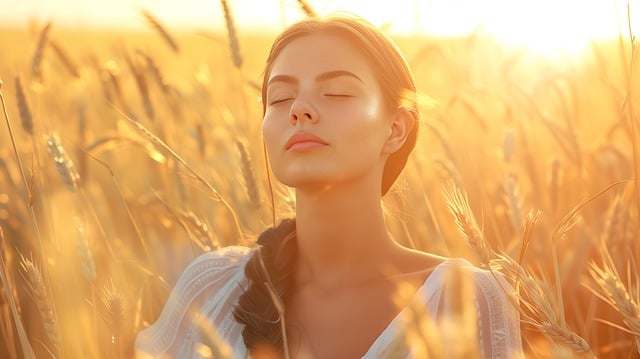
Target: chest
(342,324)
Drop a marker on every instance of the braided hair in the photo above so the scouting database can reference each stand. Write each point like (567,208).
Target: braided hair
(273,263)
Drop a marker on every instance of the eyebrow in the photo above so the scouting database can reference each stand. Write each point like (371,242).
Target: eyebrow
(325,76)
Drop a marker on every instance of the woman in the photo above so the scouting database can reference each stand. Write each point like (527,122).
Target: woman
(340,119)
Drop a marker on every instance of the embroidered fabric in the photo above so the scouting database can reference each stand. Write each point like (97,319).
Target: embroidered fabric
(210,286)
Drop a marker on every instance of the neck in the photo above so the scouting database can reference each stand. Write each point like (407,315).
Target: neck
(341,234)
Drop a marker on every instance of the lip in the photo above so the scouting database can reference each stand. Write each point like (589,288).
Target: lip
(301,141)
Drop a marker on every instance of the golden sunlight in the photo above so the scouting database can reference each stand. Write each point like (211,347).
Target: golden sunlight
(546,27)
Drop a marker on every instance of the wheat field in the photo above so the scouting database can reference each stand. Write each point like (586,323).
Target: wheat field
(125,155)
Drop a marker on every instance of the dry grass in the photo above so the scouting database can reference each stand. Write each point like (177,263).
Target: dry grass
(540,156)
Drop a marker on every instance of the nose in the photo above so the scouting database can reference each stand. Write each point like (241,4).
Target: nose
(302,110)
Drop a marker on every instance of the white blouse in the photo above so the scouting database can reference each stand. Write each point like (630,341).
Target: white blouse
(211,284)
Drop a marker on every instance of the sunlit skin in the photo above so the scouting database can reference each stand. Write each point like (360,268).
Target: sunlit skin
(349,266)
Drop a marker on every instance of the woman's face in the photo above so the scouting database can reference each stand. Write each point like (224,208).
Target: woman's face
(325,123)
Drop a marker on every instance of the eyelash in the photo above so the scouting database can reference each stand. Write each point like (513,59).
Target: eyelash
(275,102)
(337,95)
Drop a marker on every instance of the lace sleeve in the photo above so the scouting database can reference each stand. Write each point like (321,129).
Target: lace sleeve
(209,286)
(498,318)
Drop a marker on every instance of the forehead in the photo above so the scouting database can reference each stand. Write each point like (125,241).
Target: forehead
(313,54)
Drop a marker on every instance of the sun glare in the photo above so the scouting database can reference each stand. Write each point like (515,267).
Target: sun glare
(546,27)
(557,27)
(542,26)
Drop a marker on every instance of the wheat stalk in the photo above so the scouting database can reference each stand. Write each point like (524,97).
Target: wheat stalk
(615,293)
(155,71)
(514,201)
(214,193)
(572,217)
(115,306)
(86,257)
(37,288)
(614,221)
(535,307)
(458,205)
(197,227)
(27,350)
(114,303)
(64,165)
(143,89)
(26,120)
(65,58)
(527,232)
(161,30)
(34,218)
(36,62)
(232,34)
(307,9)
(248,174)
(113,73)
(565,337)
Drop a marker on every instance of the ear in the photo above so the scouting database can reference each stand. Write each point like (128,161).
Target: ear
(400,128)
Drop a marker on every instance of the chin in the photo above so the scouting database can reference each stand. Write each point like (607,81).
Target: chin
(304,180)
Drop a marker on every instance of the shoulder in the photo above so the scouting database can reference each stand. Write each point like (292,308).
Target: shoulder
(232,257)
(212,269)
(225,256)
(490,287)
(213,279)
(485,278)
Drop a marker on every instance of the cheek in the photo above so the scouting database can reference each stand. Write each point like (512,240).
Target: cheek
(366,122)
(374,108)
(272,129)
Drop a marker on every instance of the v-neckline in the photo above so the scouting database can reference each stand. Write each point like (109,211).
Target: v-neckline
(424,293)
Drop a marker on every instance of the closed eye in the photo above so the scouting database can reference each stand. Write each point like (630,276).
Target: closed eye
(275,102)
(337,95)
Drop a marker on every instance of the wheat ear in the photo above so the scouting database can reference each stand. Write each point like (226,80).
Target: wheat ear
(232,34)
(37,288)
(27,350)
(249,175)
(615,293)
(161,30)
(143,88)
(36,62)
(535,307)
(86,257)
(458,205)
(114,304)
(307,9)
(64,165)
(32,211)
(26,120)
(65,58)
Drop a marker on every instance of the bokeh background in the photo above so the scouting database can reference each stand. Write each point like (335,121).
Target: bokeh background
(131,143)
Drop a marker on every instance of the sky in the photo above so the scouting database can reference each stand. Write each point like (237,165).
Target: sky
(547,23)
